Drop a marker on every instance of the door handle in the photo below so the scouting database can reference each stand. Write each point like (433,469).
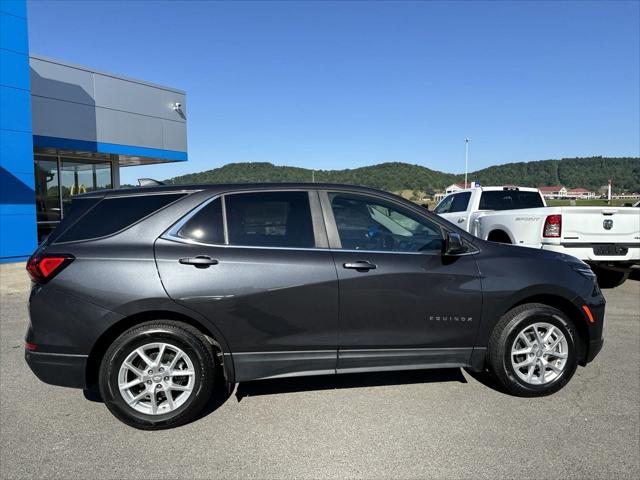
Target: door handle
(360,265)
(201,261)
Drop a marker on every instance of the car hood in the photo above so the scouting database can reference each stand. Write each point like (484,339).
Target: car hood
(530,252)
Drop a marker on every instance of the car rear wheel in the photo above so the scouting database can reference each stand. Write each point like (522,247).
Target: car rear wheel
(157,375)
(533,350)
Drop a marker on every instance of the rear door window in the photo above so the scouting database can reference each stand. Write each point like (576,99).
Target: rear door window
(111,215)
(269,219)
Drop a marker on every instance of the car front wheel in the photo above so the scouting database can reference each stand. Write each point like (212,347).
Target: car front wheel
(533,350)
(159,374)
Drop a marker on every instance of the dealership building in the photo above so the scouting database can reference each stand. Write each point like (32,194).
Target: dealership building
(67,129)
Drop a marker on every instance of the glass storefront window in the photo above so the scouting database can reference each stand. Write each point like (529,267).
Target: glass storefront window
(47,191)
(55,187)
(78,177)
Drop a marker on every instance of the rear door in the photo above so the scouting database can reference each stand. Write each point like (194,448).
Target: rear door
(402,303)
(253,263)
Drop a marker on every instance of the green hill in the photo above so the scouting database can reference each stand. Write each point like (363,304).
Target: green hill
(590,173)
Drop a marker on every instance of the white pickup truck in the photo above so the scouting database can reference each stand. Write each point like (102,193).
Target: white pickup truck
(608,238)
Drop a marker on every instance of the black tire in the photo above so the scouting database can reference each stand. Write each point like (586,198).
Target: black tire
(504,336)
(610,278)
(499,236)
(175,334)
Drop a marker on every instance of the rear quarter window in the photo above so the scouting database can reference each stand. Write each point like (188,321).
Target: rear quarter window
(111,215)
(72,212)
(205,226)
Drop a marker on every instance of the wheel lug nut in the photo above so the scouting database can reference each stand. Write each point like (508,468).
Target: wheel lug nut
(161,369)
(150,372)
(148,382)
(158,386)
(166,379)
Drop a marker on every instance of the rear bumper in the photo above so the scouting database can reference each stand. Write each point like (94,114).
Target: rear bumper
(584,251)
(58,369)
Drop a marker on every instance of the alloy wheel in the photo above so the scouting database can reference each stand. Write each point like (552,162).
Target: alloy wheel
(156,378)
(539,353)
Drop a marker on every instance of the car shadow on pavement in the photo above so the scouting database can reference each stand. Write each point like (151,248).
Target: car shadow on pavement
(351,380)
(316,383)
(488,380)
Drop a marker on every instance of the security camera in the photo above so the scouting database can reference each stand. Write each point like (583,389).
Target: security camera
(177,106)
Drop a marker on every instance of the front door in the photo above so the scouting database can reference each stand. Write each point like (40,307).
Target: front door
(454,208)
(250,264)
(402,303)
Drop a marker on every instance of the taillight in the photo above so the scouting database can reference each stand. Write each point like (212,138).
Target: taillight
(42,268)
(552,226)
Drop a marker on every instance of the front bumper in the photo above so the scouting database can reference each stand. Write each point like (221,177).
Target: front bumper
(593,300)
(58,369)
(594,348)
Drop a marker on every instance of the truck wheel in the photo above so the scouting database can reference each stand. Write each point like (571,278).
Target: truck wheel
(157,375)
(533,350)
(499,236)
(610,278)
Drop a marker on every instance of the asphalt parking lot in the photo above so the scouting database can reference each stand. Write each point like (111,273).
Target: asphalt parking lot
(437,423)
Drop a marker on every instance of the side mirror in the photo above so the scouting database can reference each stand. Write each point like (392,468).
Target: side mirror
(453,244)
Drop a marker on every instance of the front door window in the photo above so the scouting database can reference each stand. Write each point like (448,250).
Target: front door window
(365,223)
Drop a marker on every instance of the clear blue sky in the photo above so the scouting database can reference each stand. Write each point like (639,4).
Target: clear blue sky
(345,84)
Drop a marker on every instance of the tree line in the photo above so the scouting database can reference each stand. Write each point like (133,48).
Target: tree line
(591,173)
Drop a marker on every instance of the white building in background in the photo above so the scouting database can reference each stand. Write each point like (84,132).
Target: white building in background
(454,187)
(554,191)
(580,193)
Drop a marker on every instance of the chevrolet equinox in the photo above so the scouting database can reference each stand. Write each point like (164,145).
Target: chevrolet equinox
(150,293)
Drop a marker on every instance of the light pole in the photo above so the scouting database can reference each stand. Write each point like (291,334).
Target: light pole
(466,160)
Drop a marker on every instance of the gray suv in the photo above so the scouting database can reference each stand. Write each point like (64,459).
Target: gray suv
(153,293)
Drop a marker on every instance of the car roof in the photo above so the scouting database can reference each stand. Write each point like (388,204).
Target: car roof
(226,187)
(498,188)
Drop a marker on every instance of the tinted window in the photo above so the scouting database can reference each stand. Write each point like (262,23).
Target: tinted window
(114,214)
(509,200)
(206,225)
(270,219)
(458,202)
(72,212)
(367,224)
